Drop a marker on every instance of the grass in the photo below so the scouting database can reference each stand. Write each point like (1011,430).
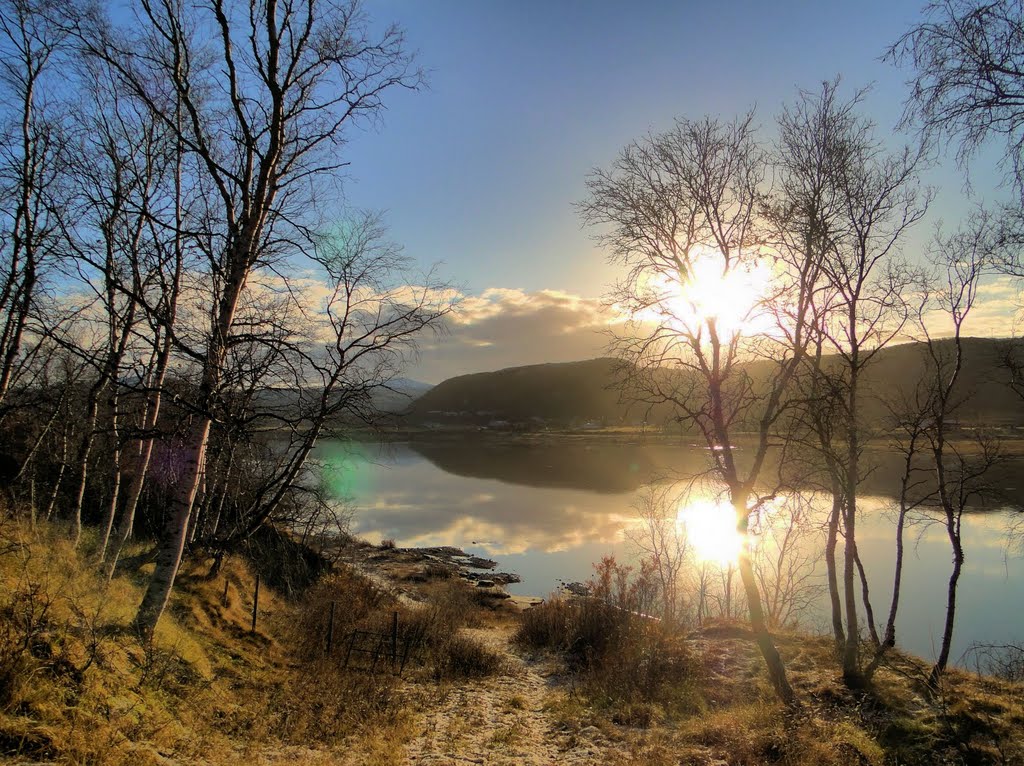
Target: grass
(626,662)
(705,698)
(77,686)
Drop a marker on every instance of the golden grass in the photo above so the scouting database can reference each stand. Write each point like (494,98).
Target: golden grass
(973,719)
(77,686)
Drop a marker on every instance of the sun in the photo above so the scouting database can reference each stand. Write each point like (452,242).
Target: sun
(729,294)
(710,528)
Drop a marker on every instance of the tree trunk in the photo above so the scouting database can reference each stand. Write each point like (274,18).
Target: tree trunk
(131,503)
(84,452)
(172,542)
(947,631)
(830,566)
(889,638)
(851,651)
(869,612)
(115,492)
(52,504)
(772,659)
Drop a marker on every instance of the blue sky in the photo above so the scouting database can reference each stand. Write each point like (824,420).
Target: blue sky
(480,171)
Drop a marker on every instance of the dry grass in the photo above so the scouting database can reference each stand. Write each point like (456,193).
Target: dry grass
(77,686)
(716,706)
(638,669)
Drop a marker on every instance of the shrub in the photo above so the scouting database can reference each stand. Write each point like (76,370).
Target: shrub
(625,658)
(437,571)
(463,657)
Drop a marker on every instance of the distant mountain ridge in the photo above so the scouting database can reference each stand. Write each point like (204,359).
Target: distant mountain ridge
(583,394)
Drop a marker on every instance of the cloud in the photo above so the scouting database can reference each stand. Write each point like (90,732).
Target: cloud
(504,327)
(997,311)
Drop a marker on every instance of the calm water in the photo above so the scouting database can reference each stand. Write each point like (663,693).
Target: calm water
(548,512)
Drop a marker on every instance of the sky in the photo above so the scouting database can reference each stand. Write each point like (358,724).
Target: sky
(479,171)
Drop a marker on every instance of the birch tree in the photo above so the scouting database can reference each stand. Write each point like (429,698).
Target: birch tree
(259,96)
(679,210)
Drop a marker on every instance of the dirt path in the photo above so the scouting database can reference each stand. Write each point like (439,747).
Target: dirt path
(506,720)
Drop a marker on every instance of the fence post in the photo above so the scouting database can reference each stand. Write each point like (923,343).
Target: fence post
(394,639)
(330,628)
(255,604)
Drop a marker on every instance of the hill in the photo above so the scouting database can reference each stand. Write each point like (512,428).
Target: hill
(584,394)
(568,393)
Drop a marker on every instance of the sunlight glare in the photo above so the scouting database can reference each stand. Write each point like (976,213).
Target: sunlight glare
(711,531)
(731,297)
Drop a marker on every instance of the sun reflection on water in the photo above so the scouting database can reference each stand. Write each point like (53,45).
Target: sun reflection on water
(710,527)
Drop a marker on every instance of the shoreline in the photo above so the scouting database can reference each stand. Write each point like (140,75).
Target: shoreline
(403,569)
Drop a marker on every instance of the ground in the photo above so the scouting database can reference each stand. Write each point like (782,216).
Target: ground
(76,687)
(507,720)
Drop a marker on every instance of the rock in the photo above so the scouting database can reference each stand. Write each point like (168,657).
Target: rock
(485,583)
(576,588)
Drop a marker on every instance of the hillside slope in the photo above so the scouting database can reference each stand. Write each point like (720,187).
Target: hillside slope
(584,394)
(570,393)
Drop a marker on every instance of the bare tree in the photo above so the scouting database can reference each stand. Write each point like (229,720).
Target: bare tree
(786,558)
(258,96)
(967,83)
(682,203)
(30,164)
(663,541)
(863,201)
(909,420)
(960,471)
(331,361)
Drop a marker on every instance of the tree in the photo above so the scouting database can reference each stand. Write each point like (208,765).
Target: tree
(968,79)
(30,147)
(679,210)
(664,544)
(860,201)
(257,97)
(960,472)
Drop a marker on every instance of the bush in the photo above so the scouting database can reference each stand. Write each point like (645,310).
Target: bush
(463,657)
(437,571)
(624,657)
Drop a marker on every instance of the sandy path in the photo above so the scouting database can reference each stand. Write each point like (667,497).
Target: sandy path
(503,721)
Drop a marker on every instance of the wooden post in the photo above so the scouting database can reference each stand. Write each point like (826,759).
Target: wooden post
(330,628)
(255,604)
(351,645)
(394,639)
(224,598)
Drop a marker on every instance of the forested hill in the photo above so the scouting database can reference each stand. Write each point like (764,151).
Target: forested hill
(583,394)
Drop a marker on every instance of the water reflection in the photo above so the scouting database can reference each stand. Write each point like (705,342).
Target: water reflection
(550,524)
(709,527)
